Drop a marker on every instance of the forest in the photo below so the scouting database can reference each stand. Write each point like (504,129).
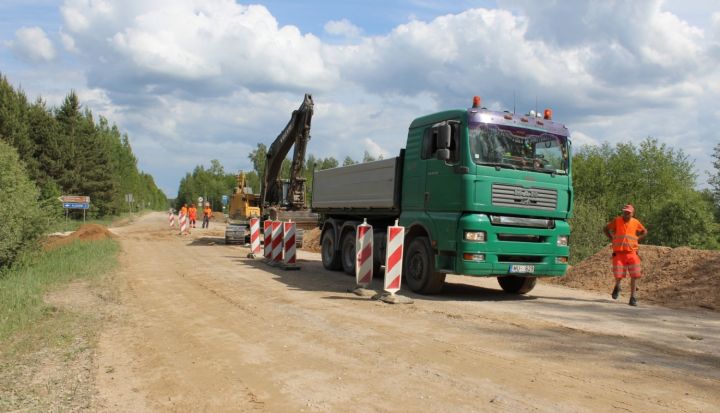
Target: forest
(48,152)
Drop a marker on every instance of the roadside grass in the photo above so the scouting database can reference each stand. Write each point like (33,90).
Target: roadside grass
(22,287)
(47,347)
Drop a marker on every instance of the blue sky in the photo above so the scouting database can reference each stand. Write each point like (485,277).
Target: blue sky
(195,80)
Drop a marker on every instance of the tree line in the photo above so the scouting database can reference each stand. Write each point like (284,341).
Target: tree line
(658,180)
(49,152)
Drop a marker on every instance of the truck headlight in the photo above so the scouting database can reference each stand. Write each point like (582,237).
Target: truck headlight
(478,236)
(562,241)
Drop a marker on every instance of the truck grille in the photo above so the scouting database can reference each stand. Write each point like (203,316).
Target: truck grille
(519,197)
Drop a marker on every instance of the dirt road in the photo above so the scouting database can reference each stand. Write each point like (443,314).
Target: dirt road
(201,328)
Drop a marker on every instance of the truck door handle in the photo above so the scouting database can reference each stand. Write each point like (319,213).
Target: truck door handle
(427,197)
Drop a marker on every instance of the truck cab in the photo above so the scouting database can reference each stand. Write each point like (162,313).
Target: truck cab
(486,193)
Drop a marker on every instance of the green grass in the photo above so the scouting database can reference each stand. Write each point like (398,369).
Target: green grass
(22,287)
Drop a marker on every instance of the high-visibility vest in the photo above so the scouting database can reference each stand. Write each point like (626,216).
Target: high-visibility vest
(624,234)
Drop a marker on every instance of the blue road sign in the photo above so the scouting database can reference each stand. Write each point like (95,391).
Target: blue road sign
(224,199)
(76,205)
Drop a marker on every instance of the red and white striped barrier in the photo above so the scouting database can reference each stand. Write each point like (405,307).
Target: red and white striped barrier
(277,238)
(394,258)
(364,254)
(267,239)
(183,224)
(290,259)
(171,218)
(254,237)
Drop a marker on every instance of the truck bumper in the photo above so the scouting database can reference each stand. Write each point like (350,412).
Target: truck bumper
(511,250)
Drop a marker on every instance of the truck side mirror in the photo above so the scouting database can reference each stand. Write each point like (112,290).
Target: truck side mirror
(443,137)
(442,154)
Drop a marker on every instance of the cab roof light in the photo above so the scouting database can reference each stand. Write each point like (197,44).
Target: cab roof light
(548,114)
(476,101)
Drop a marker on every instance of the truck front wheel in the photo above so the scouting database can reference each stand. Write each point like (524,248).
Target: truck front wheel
(330,256)
(513,284)
(419,268)
(347,252)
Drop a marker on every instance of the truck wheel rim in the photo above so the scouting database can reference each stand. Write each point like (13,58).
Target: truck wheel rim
(415,269)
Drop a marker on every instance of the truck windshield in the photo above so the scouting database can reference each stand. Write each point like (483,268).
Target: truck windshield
(518,148)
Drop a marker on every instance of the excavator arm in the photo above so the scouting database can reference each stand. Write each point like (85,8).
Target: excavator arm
(297,133)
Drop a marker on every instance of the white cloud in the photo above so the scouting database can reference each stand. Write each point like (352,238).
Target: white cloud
(68,42)
(580,139)
(342,28)
(32,44)
(207,47)
(197,79)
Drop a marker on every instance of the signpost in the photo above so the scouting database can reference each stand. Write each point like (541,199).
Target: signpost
(75,202)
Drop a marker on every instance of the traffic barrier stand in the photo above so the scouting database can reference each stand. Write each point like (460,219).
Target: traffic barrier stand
(277,238)
(393,266)
(254,238)
(363,259)
(183,224)
(290,257)
(171,218)
(267,240)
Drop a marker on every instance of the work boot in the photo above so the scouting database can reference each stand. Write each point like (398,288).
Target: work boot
(633,301)
(616,292)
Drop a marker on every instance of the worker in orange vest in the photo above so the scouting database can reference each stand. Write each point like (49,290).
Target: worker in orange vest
(624,232)
(207,213)
(192,213)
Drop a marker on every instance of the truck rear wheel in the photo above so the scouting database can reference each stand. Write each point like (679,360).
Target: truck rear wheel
(513,284)
(330,256)
(419,268)
(347,252)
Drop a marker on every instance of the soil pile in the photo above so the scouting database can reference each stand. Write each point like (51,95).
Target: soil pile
(311,240)
(672,277)
(87,232)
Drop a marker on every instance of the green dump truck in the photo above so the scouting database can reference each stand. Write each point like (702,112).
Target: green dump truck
(479,192)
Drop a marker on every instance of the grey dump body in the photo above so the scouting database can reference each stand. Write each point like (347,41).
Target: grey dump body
(371,188)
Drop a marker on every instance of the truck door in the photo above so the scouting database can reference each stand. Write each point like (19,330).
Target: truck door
(443,186)
(443,183)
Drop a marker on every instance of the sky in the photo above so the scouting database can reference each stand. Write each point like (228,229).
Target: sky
(194,80)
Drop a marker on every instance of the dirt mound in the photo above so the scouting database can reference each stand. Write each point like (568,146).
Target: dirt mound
(311,240)
(672,277)
(87,232)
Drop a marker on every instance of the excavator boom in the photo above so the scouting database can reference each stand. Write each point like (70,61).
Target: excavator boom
(297,133)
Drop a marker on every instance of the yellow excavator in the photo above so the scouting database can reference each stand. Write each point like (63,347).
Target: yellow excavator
(243,203)
(243,206)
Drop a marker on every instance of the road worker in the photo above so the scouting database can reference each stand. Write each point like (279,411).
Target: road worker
(624,232)
(184,210)
(207,213)
(192,214)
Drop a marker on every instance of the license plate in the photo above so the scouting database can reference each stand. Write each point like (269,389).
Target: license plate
(522,269)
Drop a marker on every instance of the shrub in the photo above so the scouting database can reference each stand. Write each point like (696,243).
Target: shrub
(20,217)
(586,225)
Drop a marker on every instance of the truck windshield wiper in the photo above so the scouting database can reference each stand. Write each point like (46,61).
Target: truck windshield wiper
(498,165)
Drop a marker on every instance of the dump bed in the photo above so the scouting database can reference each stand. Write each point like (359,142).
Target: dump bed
(368,187)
